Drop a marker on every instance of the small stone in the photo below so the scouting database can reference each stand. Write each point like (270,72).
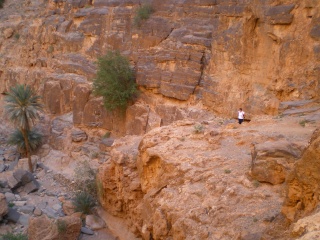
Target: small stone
(19,203)
(87,231)
(27,209)
(10,197)
(24,220)
(31,186)
(13,215)
(56,207)
(37,212)
(94,222)
(8,32)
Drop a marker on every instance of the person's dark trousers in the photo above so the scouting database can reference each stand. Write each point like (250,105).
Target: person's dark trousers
(240,121)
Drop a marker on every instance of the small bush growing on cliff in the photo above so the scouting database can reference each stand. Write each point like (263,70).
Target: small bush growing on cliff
(199,128)
(83,202)
(115,81)
(13,236)
(143,13)
(85,178)
(61,226)
(1,3)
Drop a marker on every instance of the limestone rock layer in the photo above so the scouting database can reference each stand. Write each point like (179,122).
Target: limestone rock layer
(219,54)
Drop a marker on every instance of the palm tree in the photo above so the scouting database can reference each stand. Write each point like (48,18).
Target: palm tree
(22,108)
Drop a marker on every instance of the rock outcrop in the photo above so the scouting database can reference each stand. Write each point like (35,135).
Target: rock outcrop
(183,180)
(43,228)
(212,54)
(303,183)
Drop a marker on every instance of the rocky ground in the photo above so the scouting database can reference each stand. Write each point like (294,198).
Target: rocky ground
(215,167)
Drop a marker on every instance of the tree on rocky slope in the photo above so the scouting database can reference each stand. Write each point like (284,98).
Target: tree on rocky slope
(1,3)
(115,81)
(22,107)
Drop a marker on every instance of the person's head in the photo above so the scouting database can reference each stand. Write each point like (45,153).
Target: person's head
(240,109)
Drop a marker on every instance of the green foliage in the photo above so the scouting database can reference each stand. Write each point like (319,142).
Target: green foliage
(1,3)
(85,178)
(115,81)
(227,171)
(303,123)
(50,49)
(13,236)
(17,139)
(83,202)
(199,128)
(17,36)
(62,226)
(22,106)
(10,204)
(256,183)
(106,135)
(143,13)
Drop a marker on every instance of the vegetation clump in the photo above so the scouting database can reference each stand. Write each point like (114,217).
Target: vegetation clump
(1,3)
(13,236)
(83,202)
(198,128)
(85,178)
(62,226)
(115,81)
(143,13)
(22,107)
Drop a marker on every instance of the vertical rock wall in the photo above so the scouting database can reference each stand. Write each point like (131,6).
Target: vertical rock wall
(213,54)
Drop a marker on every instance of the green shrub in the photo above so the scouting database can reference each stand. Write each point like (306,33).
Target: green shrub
(115,81)
(106,135)
(256,183)
(83,202)
(1,3)
(303,123)
(50,49)
(62,226)
(227,171)
(85,178)
(17,139)
(13,236)
(11,204)
(17,35)
(143,13)
(198,128)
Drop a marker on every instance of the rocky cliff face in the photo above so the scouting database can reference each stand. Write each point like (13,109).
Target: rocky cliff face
(213,54)
(192,59)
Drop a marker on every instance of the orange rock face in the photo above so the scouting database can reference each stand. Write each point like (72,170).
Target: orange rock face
(219,54)
(303,184)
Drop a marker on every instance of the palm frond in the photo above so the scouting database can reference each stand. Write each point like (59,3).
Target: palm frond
(22,105)
(16,139)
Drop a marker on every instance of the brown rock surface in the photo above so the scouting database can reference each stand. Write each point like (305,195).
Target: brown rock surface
(272,160)
(43,228)
(3,205)
(184,182)
(302,193)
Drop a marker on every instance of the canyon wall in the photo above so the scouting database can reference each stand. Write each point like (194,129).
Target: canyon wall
(189,56)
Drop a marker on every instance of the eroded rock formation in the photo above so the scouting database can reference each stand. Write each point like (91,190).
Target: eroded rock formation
(302,195)
(216,54)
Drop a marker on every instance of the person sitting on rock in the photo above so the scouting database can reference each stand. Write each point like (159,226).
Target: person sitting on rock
(240,115)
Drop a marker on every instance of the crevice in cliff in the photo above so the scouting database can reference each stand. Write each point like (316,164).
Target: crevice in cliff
(203,63)
(166,37)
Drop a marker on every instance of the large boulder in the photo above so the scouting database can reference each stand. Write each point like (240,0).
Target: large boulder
(43,228)
(272,160)
(303,183)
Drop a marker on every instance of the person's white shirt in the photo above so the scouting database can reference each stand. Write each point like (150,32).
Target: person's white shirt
(240,114)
